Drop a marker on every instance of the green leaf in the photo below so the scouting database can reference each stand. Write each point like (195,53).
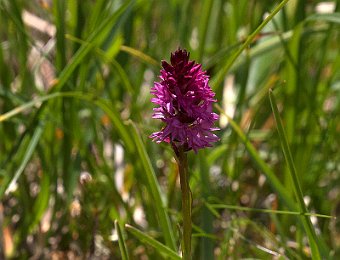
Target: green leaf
(121,241)
(207,218)
(216,81)
(271,211)
(139,55)
(331,18)
(314,242)
(162,249)
(102,103)
(89,44)
(203,28)
(109,58)
(5,188)
(155,189)
(273,180)
(42,200)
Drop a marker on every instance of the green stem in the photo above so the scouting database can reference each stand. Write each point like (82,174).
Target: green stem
(186,202)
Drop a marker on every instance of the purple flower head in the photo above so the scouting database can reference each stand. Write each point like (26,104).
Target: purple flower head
(184,101)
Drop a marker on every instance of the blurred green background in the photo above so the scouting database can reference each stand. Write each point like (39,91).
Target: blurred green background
(75,116)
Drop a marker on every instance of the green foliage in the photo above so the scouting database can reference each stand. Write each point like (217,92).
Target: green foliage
(76,162)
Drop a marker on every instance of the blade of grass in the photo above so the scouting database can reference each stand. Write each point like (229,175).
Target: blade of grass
(204,22)
(201,233)
(6,74)
(111,61)
(315,245)
(207,246)
(95,17)
(183,22)
(162,249)
(273,180)
(68,111)
(121,242)
(261,231)
(218,79)
(14,12)
(286,212)
(140,55)
(272,43)
(5,187)
(102,103)
(331,18)
(26,106)
(116,120)
(154,189)
(216,153)
(86,48)
(41,203)
(59,12)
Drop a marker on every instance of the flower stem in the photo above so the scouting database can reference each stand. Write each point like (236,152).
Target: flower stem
(186,202)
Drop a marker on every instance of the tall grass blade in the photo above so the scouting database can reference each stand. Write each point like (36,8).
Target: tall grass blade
(314,242)
(102,103)
(6,188)
(139,55)
(111,61)
(122,246)
(155,189)
(331,18)
(88,46)
(41,203)
(270,211)
(204,23)
(218,79)
(162,249)
(273,180)
(207,246)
